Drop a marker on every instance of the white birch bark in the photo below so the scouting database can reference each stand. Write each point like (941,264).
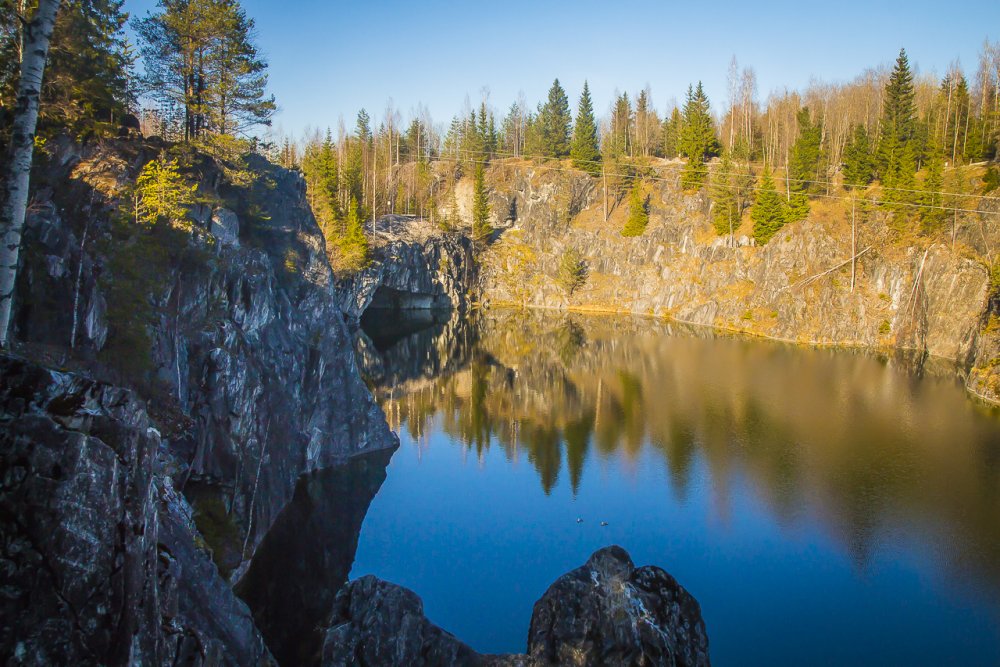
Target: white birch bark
(22,145)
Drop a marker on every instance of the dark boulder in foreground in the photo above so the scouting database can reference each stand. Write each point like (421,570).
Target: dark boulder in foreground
(100,562)
(607,612)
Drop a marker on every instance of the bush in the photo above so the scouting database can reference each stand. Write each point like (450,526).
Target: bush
(572,271)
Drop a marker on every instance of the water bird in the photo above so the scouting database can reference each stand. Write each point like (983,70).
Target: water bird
(604,523)
(579,520)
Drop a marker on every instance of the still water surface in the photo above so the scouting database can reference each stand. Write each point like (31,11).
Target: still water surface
(824,507)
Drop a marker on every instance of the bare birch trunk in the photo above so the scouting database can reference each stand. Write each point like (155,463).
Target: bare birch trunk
(22,145)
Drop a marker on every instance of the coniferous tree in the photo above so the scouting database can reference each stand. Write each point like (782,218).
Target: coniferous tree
(672,134)
(932,215)
(697,138)
(199,55)
(725,210)
(619,144)
(769,211)
(804,165)
(161,194)
(638,213)
(354,244)
(859,164)
(481,228)
(896,157)
(554,123)
(584,151)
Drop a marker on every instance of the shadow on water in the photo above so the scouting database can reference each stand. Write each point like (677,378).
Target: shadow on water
(306,556)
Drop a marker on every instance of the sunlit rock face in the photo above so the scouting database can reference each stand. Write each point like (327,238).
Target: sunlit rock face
(101,561)
(799,286)
(605,612)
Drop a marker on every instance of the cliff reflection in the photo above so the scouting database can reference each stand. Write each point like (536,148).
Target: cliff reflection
(860,443)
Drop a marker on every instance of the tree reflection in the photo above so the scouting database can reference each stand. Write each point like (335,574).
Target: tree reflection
(856,440)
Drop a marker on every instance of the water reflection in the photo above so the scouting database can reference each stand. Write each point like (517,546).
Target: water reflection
(307,554)
(866,446)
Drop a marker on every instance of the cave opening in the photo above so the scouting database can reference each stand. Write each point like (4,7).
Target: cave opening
(394,315)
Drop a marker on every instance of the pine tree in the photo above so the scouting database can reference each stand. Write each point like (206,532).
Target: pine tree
(804,165)
(584,151)
(161,194)
(619,144)
(554,118)
(769,211)
(199,55)
(638,213)
(896,158)
(697,138)
(481,228)
(859,164)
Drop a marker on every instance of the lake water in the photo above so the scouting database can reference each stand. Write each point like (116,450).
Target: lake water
(824,507)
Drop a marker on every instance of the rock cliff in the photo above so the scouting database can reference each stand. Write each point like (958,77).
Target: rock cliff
(925,294)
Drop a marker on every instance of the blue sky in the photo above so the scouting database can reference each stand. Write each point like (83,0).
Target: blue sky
(330,58)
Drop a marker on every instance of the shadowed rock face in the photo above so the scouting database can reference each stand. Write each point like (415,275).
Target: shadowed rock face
(306,556)
(607,612)
(610,612)
(100,562)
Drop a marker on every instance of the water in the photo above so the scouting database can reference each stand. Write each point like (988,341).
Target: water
(824,507)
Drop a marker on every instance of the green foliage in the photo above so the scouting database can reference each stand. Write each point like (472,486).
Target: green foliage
(769,212)
(638,211)
(697,138)
(896,157)
(672,134)
(353,245)
(933,215)
(859,163)
(584,151)
(616,141)
(572,272)
(161,194)
(554,123)
(481,228)
(805,165)
(991,180)
(732,191)
(885,328)
(200,61)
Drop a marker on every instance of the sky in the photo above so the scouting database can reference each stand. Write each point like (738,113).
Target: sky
(330,58)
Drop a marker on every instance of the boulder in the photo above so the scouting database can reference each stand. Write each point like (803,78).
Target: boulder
(607,612)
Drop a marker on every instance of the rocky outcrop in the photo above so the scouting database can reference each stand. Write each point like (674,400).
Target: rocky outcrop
(231,328)
(414,268)
(607,612)
(925,297)
(610,612)
(100,562)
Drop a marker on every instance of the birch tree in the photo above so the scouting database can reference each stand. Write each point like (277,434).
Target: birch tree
(22,145)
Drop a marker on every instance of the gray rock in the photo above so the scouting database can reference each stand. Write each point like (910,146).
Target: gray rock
(607,612)
(99,563)
(225,227)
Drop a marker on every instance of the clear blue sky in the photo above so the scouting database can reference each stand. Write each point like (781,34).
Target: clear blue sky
(330,58)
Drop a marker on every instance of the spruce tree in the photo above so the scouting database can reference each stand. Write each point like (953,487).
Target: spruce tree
(697,138)
(725,208)
(638,214)
(932,215)
(769,211)
(859,164)
(481,228)
(162,195)
(896,158)
(671,134)
(554,119)
(584,151)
